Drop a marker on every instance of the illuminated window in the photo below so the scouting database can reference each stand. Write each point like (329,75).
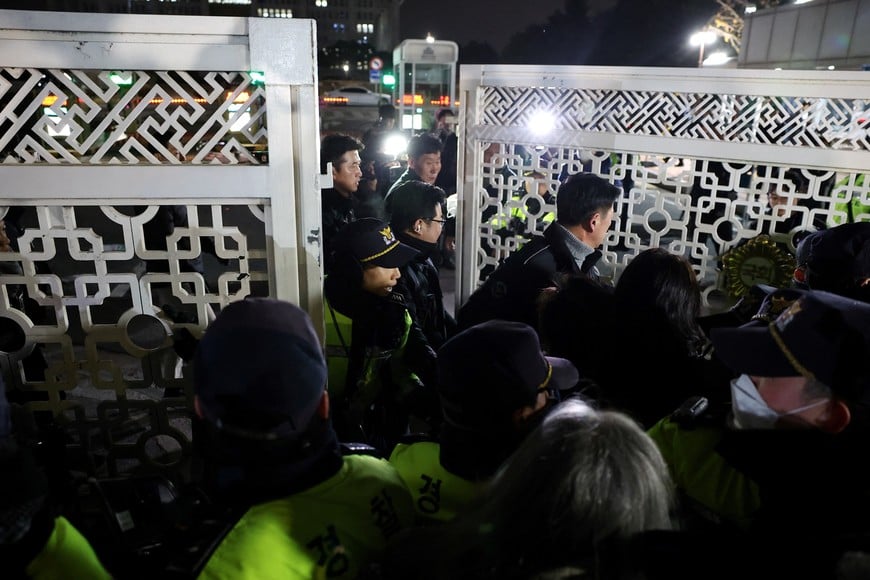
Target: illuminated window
(274,13)
(229,1)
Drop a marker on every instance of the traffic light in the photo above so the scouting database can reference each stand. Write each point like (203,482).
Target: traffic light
(121,77)
(389,80)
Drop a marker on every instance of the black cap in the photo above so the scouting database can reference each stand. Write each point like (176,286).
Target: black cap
(492,369)
(837,257)
(820,335)
(371,241)
(259,369)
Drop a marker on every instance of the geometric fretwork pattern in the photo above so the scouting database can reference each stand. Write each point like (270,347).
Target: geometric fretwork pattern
(92,301)
(698,208)
(130,117)
(790,121)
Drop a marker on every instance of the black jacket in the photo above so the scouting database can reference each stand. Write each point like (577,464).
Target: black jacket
(421,288)
(337,211)
(511,291)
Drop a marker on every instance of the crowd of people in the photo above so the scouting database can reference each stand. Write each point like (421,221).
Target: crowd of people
(559,428)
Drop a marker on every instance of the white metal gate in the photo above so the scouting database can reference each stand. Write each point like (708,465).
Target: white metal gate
(112,127)
(696,150)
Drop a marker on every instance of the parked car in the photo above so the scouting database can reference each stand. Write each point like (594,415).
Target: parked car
(355,95)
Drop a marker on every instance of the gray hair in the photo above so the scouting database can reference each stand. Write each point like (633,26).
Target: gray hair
(585,475)
(580,483)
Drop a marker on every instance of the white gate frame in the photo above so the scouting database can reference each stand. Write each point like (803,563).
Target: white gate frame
(283,49)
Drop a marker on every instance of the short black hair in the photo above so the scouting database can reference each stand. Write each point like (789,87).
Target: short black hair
(443,113)
(581,196)
(332,147)
(420,145)
(411,201)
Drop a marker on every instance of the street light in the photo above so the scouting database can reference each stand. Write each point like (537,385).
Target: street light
(702,39)
(429,38)
(717,58)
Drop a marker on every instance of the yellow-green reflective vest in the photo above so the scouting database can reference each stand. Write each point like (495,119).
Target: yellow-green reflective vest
(338,342)
(703,475)
(437,494)
(67,554)
(338,333)
(849,211)
(332,530)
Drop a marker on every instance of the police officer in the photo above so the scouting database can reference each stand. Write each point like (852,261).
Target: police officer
(260,384)
(785,461)
(379,358)
(34,541)
(491,398)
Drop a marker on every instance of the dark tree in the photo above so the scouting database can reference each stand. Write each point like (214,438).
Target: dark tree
(563,39)
(478,53)
(649,32)
(631,33)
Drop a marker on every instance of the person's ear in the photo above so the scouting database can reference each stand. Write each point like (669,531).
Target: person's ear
(522,414)
(323,406)
(594,221)
(838,417)
(418,226)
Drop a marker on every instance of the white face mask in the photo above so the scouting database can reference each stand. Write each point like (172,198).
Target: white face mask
(749,409)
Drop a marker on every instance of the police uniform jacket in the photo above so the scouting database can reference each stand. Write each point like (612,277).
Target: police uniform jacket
(802,488)
(334,529)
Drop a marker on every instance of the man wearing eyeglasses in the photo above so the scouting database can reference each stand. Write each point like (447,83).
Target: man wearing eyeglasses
(417,218)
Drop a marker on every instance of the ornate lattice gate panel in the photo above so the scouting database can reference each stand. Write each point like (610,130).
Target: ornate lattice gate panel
(152,170)
(726,167)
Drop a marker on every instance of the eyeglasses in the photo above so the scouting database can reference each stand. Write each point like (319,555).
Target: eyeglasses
(437,221)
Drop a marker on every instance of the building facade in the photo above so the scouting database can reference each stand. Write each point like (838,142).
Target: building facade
(372,25)
(820,35)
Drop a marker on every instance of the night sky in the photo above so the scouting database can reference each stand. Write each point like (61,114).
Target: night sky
(636,33)
(465,20)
